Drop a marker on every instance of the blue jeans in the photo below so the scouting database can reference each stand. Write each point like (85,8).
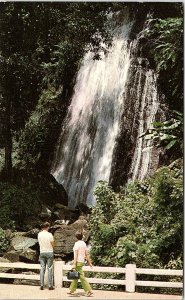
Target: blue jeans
(46,258)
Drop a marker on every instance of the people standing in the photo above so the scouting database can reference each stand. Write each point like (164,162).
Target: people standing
(80,254)
(46,243)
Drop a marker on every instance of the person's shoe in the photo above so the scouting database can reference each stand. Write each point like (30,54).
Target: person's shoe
(70,293)
(89,294)
(51,288)
(41,288)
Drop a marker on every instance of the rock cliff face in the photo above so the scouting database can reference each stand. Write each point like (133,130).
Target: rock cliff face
(134,157)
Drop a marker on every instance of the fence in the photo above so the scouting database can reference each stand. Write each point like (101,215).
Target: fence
(130,271)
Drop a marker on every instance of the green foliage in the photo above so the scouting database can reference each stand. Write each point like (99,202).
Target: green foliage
(166,47)
(107,200)
(168,44)
(145,223)
(4,242)
(39,132)
(168,134)
(17,203)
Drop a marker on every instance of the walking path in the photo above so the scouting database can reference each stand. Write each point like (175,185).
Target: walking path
(11,291)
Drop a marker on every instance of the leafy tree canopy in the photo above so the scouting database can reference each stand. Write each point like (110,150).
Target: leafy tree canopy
(41,43)
(166,48)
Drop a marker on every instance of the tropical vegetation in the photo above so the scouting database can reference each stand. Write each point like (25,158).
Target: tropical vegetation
(42,47)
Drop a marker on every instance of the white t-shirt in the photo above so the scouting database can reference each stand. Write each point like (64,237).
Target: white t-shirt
(45,238)
(82,248)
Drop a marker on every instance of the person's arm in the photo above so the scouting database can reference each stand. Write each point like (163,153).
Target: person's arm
(88,258)
(52,241)
(75,259)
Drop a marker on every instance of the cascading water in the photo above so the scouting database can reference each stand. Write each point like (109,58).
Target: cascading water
(113,97)
(86,144)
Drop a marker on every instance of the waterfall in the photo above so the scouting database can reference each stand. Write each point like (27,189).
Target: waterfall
(115,100)
(86,144)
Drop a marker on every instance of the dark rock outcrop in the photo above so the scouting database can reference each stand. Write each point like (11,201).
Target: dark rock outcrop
(32,196)
(65,235)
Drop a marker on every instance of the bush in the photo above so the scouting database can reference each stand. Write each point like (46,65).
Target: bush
(17,203)
(4,242)
(143,224)
(165,39)
(41,131)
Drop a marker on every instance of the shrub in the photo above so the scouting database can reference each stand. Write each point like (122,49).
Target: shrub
(143,224)
(4,242)
(17,203)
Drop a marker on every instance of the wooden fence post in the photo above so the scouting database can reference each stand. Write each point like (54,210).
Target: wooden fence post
(58,273)
(130,277)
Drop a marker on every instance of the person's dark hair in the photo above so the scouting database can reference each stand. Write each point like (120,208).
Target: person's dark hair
(45,225)
(79,235)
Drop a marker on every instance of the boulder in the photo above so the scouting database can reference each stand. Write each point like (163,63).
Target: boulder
(12,256)
(28,255)
(81,223)
(64,235)
(62,212)
(64,239)
(20,242)
(33,233)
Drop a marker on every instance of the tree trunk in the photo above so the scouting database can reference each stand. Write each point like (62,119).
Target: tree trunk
(8,154)
(8,143)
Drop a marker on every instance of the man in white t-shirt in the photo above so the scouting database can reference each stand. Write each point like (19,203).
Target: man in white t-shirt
(46,243)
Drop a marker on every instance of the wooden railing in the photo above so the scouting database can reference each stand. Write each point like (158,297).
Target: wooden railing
(129,280)
(19,265)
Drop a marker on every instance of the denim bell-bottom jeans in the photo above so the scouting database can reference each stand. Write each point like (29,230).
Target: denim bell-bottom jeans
(46,258)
